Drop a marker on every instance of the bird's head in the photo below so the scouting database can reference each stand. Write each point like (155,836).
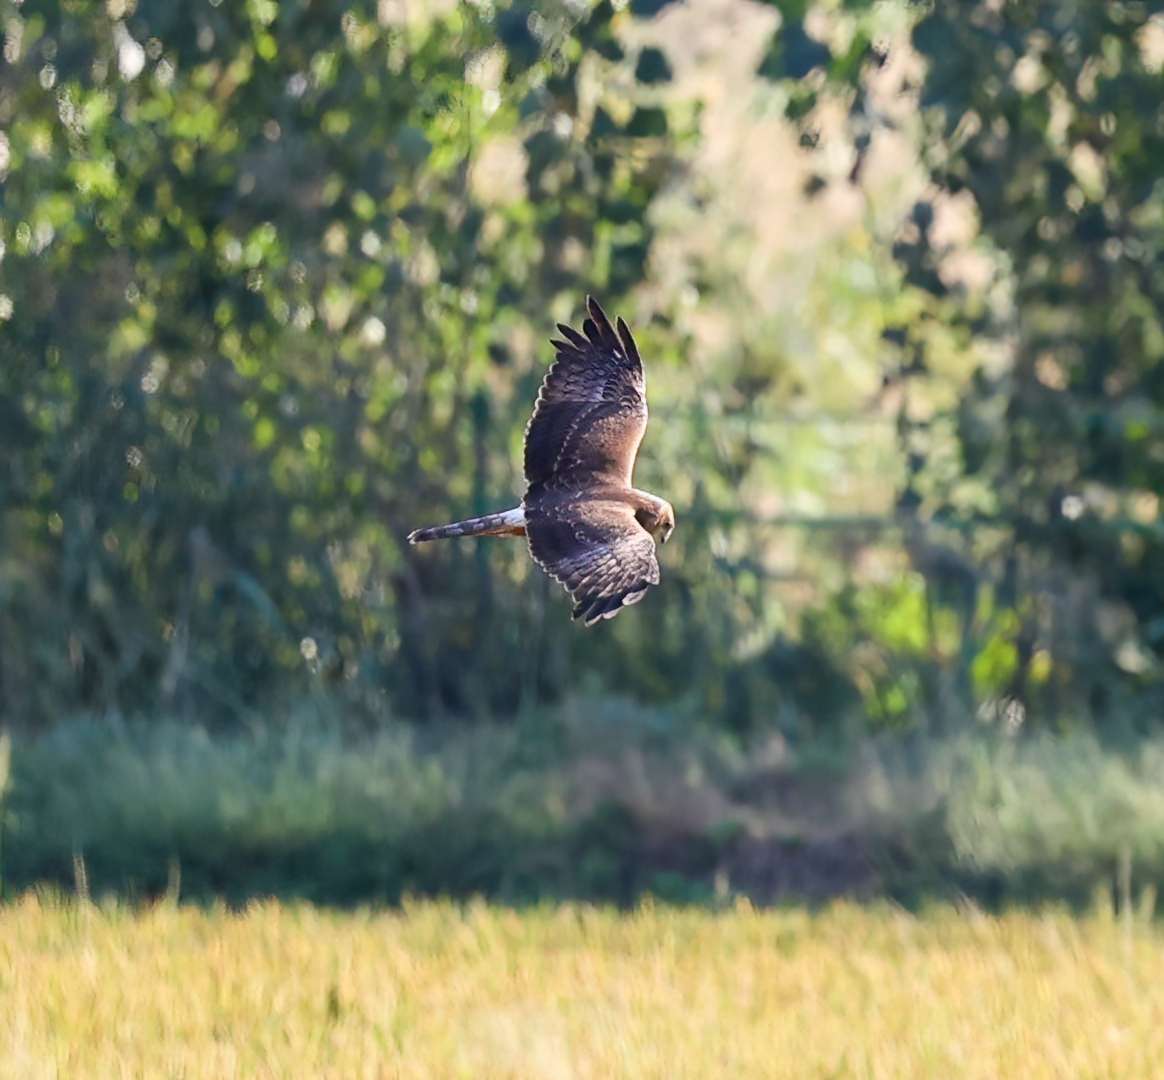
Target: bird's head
(655,515)
(664,522)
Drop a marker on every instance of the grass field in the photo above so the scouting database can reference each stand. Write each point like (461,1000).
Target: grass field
(606,803)
(476,991)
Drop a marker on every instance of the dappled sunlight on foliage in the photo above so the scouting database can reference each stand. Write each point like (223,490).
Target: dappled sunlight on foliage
(263,311)
(276,283)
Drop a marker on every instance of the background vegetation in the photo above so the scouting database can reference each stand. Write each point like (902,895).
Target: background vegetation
(275,283)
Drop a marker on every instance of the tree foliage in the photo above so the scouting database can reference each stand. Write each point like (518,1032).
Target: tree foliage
(275,282)
(266,277)
(1044,120)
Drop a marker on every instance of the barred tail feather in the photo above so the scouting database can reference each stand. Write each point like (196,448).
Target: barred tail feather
(505,523)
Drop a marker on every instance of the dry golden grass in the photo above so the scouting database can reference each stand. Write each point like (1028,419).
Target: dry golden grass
(440,990)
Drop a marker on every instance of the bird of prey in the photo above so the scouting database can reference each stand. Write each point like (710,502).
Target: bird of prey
(586,525)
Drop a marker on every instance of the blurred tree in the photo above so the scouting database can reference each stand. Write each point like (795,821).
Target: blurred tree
(275,281)
(1042,122)
(262,265)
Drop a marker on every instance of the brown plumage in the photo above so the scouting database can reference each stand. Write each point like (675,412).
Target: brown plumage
(586,525)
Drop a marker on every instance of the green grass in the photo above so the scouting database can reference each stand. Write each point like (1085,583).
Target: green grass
(602,803)
(441,990)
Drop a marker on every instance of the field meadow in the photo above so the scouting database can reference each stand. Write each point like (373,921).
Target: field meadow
(605,897)
(872,784)
(473,990)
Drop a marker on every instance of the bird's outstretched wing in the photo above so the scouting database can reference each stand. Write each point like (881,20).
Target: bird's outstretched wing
(591,411)
(596,549)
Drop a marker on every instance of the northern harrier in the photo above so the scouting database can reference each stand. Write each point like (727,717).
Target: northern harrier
(587,527)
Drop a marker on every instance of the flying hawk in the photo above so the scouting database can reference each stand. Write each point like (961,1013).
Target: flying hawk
(586,526)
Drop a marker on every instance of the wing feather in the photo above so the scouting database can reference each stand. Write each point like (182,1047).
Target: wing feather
(595,549)
(591,410)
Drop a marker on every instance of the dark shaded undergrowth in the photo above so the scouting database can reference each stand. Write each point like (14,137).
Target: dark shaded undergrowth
(602,802)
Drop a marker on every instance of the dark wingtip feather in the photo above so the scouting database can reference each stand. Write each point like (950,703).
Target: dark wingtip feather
(596,313)
(597,327)
(606,608)
(584,607)
(592,609)
(628,342)
(572,335)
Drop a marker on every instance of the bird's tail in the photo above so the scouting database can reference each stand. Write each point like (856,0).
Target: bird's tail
(505,523)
